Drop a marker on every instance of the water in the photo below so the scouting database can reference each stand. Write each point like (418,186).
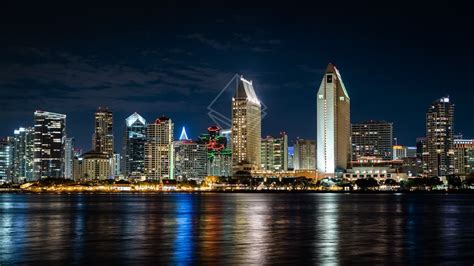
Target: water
(237,228)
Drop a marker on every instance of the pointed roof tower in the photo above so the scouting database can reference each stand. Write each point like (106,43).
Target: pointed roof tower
(183,135)
(133,118)
(246,91)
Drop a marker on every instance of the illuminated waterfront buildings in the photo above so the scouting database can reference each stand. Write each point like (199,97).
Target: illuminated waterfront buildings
(463,156)
(190,159)
(69,144)
(103,138)
(246,127)
(6,160)
(372,138)
(134,146)
(219,154)
(49,140)
(95,166)
(159,149)
(274,153)
(333,123)
(304,155)
(439,153)
(23,154)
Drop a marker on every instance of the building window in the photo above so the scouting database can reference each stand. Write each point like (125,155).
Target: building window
(329,78)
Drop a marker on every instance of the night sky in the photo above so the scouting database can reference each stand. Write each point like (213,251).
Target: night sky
(394,60)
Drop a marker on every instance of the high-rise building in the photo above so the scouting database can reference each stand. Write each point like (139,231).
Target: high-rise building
(372,138)
(50,135)
(134,146)
(291,157)
(23,154)
(274,153)
(463,156)
(190,159)
(69,144)
(219,154)
(117,164)
(246,127)
(103,138)
(333,123)
(159,163)
(305,155)
(439,154)
(6,160)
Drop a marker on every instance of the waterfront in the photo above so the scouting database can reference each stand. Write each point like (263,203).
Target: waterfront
(238,228)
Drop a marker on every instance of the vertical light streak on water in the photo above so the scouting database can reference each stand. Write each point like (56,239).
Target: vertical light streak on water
(327,228)
(79,228)
(449,230)
(6,230)
(183,244)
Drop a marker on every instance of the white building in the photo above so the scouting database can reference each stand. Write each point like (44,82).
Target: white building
(333,123)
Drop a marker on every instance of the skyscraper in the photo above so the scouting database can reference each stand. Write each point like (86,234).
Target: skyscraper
(463,156)
(134,146)
(304,155)
(159,149)
(291,157)
(439,154)
(274,153)
(190,160)
(246,127)
(50,134)
(103,138)
(372,138)
(333,123)
(6,160)
(23,154)
(219,154)
(68,157)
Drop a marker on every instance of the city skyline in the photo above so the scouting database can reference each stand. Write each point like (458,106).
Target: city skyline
(147,76)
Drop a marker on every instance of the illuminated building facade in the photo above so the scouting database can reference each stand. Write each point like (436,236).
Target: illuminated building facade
(190,160)
(246,127)
(159,156)
(23,154)
(291,157)
(103,138)
(49,140)
(439,153)
(333,123)
(69,144)
(134,146)
(274,153)
(372,138)
(117,164)
(219,154)
(399,152)
(463,156)
(96,166)
(6,160)
(305,154)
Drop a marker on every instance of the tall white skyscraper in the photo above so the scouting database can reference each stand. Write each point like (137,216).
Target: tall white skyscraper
(333,123)
(246,127)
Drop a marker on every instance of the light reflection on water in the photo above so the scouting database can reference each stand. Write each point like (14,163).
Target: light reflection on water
(236,228)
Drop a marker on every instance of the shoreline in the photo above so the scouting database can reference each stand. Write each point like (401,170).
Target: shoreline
(241,191)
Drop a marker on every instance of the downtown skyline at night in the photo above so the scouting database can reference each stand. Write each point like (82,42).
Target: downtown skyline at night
(209,133)
(389,73)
